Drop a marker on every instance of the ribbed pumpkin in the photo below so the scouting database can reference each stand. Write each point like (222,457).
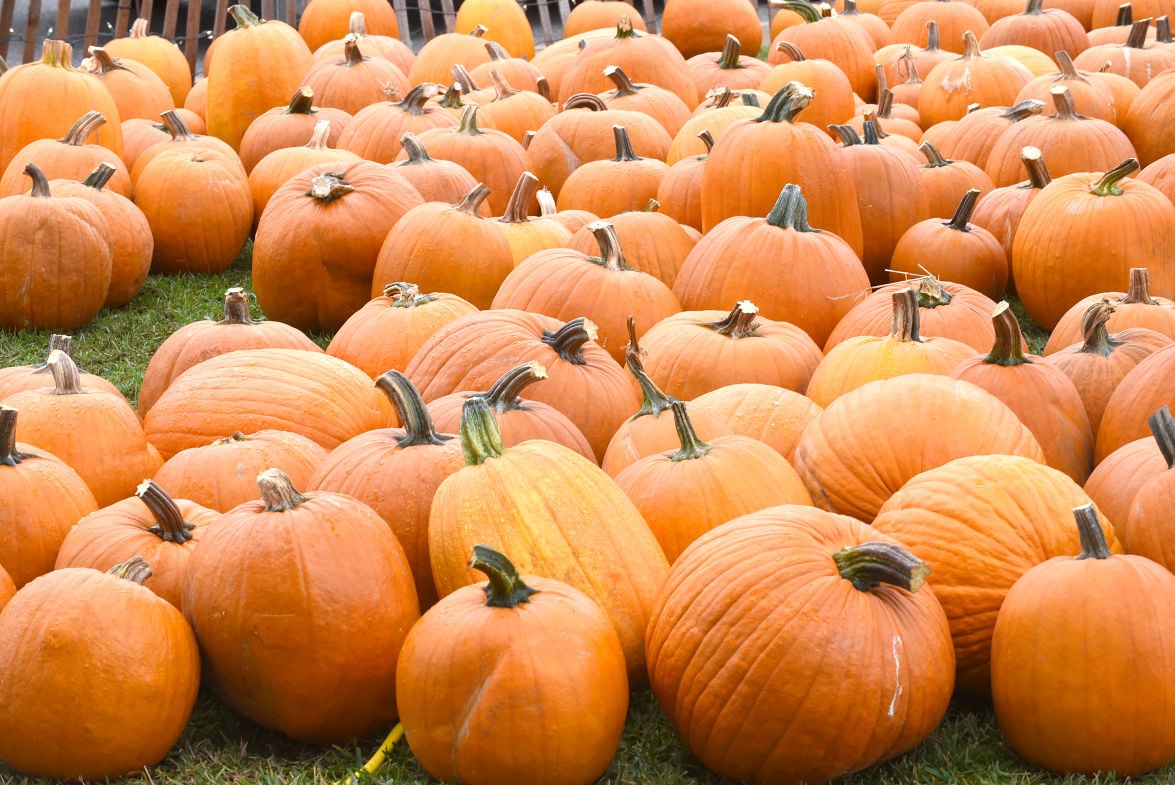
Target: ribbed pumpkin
(70,157)
(161,55)
(578,525)
(973,135)
(853,649)
(292,125)
(324,21)
(583,381)
(137,90)
(804,275)
(726,66)
(371,44)
(14,378)
(973,77)
(431,246)
(298,574)
(319,241)
(1135,307)
(1116,479)
(565,283)
(1100,360)
(351,80)
(205,338)
(981,522)
(71,94)
(374,131)
(278,166)
(1000,209)
(396,471)
(685,493)
(842,452)
(699,26)
(1077,619)
(1142,391)
(259,64)
(437,179)
(697,351)
(55,264)
(43,498)
(152,524)
(513,637)
(94,431)
(833,100)
(767,412)
(223,473)
(734,184)
(1095,94)
(1146,529)
(865,358)
(308,392)
(529,234)
(654,242)
(831,37)
(1060,253)
(78,620)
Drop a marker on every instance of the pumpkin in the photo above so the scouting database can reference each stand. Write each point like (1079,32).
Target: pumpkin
(834,99)
(830,37)
(1135,307)
(515,112)
(715,115)
(841,452)
(67,158)
(292,125)
(80,620)
(373,44)
(43,498)
(1067,622)
(777,258)
(7,588)
(396,472)
(321,397)
(953,20)
(696,27)
(437,179)
(1098,362)
(1068,220)
(222,473)
(597,14)
(520,72)
(55,264)
(259,64)
(528,234)
(565,283)
(375,130)
(137,90)
(726,67)
(767,412)
(973,77)
(854,651)
(15,378)
(323,21)
(1115,481)
(351,80)
(653,240)
(1006,514)
(506,24)
(703,484)
(559,513)
(319,241)
(160,54)
(693,352)
(1000,209)
(435,60)
(1144,532)
(152,524)
(319,584)
(94,431)
(545,664)
(206,338)
(519,419)
(862,359)
(1135,58)
(1095,94)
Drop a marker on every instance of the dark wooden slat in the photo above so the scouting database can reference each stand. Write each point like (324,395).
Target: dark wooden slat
(32,31)
(291,13)
(7,9)
(146,7)
(171,15)
(122,20)
(267,9)
(564,9)
(221,23)
(650,14)
(93,18)
(192,33)
(426,19)
(449,14)
(545,21)
(402,20)
(61,26)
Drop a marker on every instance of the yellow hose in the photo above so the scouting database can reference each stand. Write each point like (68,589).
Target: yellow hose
(377,760)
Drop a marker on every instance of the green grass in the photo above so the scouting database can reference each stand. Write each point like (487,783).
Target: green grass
(219,747)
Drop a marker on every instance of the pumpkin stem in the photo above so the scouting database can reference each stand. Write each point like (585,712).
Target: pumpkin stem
(243,16)
(1008,348)
(328,186)
(236,307)
(1108,184)
(1096,338)
(506,393)
(1139,292)
(848,135)
(1063,104)
(40,182)
(496,52)
(87,124)
(1023,110)
(1162,426)
(179,130)
(170,525)
(906,320)
(58,54)
(319,136)
(1067,69)
(624,85)
(502,88)
(417,154)
(933,156)
(1034,7)
(790,210)
(66,379)
(872,134)
(933,36)
(357,24)
(1136,39)
(654,400)
(415,102)
(1125,15)
(970,46)
(140,28)
(1038,172)
(806,11)
(506,588)
(963,212)
(102,61)
(720,97)
(931,294)
(707,139)
(585,101)
(278,493)
(406,295)
(908,67)
(302,102)
(468,124)
(134,569)
(624,28)
(691,446)
(100,176)
(451,99)
(480,437)
(611,255)
(520,198)
(546,202)
(624,151)
(568,341)
(732,52)
(791,50)
(739,323)
(418,425)
(479,31)
(786,103)
(9,455)
(471,202)
(464,79)
(871,564)
(1093,539)
(352,55)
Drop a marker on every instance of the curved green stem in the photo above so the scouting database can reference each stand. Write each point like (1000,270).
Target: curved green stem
(418,425)
(1108,184)
(568,341)
(871,564)
(170,525)
(505,589)
(505,394)
(278,493)
(1008,348)
(134,569)
(480,437)
(692,447)
(739,323)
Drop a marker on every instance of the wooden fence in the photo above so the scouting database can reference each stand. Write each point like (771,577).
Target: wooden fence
(193,23)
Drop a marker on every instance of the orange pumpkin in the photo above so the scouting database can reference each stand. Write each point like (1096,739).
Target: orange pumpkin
(767,412)
(292,125)
(67,158)
(160,54)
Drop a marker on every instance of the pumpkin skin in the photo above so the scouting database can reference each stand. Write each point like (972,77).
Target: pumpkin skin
(69,158)
(766,412)
(151,524)
(55,724)
(161,55)
(559,513)
(1133,308)
(325,596)
(768,583)
(928,420)
(1093,618)
(513,637)
(1138,395)
(31,530)
(7,588)
(324,21)
(321,397)
(1008,514)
